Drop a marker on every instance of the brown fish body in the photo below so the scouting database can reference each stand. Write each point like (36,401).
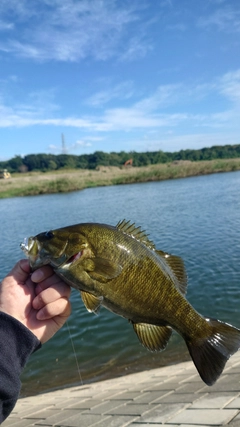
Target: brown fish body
(140,292)
(119,268)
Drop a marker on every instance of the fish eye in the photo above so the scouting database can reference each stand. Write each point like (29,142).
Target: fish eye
(48,235)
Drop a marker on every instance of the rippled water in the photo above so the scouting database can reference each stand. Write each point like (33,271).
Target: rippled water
(197,218)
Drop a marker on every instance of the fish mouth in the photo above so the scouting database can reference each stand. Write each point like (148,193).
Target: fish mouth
(66,263)
(26,245)
(32,249)
(74,258)
(38,257)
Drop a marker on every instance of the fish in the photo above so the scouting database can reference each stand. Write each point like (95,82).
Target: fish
(120,268)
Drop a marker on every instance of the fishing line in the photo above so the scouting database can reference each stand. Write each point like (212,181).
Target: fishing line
(75,354)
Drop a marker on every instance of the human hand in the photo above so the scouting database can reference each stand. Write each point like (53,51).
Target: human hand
(40,301)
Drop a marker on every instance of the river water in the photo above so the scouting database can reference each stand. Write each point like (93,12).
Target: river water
(196,218)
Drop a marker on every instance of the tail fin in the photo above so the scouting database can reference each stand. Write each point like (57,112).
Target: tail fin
(211,354)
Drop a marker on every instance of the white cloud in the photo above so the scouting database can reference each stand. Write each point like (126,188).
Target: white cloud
(229,86)
(120,91)
(169,107)
(6,26)
(82,143)
(165,95)
(224,19)
(38,107)
(136,48)
(70,30)
(127,119)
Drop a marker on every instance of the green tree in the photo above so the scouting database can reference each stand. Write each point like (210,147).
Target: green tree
(14,164)
(99,158)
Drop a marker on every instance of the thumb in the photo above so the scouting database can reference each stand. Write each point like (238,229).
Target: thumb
(21,271)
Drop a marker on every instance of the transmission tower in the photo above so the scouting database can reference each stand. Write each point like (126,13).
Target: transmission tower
(64,150)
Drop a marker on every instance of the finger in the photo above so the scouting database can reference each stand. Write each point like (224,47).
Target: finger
(25,265)
(42,273)
(50,281)
(51,294)
(21,271)
(60,308)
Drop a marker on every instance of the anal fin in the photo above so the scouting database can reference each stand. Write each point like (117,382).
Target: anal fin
(153,337)
(91,302)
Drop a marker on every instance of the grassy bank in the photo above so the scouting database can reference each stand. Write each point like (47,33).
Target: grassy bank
(66,181)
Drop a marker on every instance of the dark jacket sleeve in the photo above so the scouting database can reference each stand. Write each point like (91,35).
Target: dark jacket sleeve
(16,344)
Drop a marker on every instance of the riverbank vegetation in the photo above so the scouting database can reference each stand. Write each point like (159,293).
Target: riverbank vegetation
(51,162)
(34,183)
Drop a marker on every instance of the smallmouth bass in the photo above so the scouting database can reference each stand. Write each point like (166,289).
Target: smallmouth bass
(121,269)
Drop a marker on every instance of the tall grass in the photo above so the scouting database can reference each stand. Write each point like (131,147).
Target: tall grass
(66,181)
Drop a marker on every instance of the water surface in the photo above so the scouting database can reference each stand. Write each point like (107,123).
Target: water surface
(196,218)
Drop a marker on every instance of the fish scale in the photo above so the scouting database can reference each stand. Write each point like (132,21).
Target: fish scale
(121,269)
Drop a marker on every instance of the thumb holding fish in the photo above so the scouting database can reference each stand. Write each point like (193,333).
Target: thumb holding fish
(40,301)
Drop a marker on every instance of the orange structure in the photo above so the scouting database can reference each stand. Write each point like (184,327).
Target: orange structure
(129,162)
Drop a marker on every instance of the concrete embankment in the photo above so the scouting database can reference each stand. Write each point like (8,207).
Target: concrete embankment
(171,396)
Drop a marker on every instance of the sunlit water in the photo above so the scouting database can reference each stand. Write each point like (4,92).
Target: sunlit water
(196,218)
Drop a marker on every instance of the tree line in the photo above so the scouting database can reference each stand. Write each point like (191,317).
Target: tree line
(50,162)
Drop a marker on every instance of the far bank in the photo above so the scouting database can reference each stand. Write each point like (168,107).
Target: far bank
(63,181)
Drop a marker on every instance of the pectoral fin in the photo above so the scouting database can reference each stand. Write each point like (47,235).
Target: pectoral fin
(153,337)
(102,269)
(91,302)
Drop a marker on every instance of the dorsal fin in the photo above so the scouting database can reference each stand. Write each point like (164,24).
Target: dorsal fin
(136,232)
(177,266)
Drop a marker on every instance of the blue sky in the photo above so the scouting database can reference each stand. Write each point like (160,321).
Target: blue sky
(115,75)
